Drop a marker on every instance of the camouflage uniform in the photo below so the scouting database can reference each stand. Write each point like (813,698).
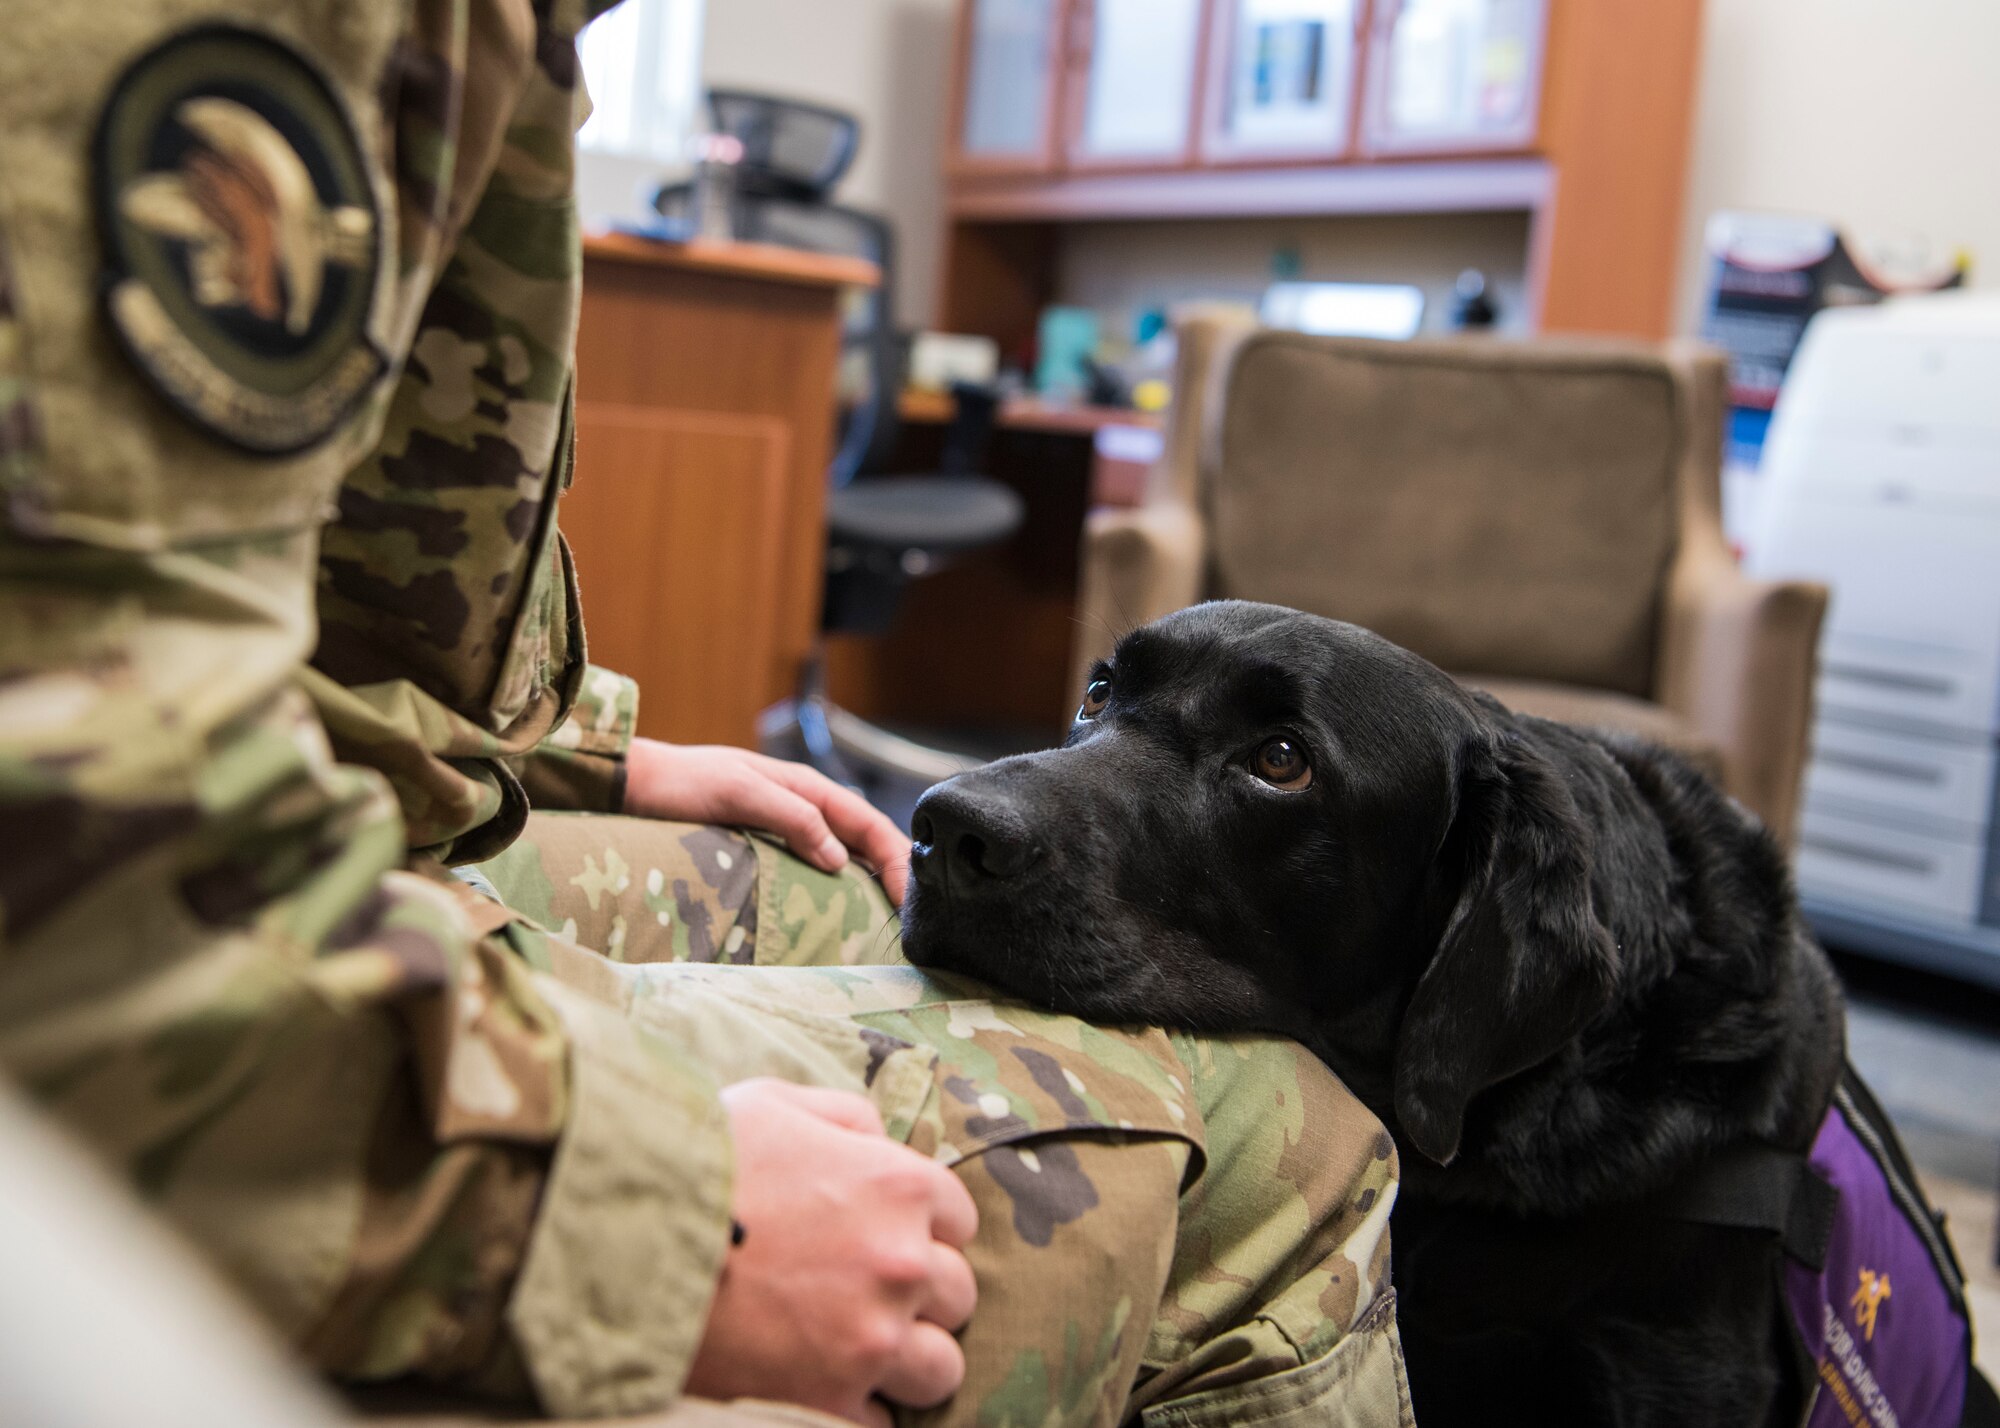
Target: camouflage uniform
(1266,1276)
(421,1133)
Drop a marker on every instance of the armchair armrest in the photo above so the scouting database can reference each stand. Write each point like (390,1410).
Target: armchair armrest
(1737,661)
(1137,565)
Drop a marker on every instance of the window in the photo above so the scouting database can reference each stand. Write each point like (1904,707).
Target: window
(642,62)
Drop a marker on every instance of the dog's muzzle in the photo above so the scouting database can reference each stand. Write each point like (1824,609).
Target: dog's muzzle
(970,843)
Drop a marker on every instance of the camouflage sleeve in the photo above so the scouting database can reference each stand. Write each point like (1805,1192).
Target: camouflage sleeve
(322,1059)
(580,766)
(413,1155)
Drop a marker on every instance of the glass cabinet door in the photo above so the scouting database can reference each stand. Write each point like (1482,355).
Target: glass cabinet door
(1281,79)
(1455,74)
(1011,62)
(1136,62)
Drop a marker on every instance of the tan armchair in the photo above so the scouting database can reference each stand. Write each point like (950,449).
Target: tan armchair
(1542,519)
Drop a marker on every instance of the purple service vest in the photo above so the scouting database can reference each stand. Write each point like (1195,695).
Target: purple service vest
(1885,1320)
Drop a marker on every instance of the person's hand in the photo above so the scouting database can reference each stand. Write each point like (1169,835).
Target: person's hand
(822,822)
(849,1281)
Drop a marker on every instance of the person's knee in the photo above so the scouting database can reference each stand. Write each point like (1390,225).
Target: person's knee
(1290,1220)
(810,918)
(634,889)
(1076,1236)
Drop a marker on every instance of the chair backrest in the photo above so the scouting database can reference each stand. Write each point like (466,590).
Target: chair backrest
(790,148)
(1507,509)
(793,154)
(873,356)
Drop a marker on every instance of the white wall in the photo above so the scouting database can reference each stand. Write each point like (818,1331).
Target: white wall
(887,61)
(1880,115)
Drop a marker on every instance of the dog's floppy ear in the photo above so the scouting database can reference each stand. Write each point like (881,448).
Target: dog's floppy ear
(1523,962)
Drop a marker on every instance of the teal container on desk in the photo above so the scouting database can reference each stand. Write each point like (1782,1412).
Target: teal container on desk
(1066,339)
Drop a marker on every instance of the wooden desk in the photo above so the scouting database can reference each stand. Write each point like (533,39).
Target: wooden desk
(1029,414)
(704,421)
(1115,479)
(988,641)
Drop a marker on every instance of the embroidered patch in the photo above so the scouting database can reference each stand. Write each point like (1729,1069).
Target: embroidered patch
(242,240)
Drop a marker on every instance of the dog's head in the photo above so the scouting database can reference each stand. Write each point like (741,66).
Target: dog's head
(1267,820)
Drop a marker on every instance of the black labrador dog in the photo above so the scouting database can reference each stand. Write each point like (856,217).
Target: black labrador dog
(1560,966)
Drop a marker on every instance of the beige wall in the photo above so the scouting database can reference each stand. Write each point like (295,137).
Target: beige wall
(1881,115)
(887,61)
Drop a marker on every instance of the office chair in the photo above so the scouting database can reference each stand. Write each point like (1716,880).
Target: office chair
(883,529)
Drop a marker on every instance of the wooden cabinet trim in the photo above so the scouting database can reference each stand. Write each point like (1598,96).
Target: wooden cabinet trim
(1213,149)
(1047,156)
(1471,186)
(764,262)
(1618,99)
(1077,102)
(1373,138)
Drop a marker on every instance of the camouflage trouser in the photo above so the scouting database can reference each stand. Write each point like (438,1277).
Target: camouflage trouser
(1192,1228)
(644,891)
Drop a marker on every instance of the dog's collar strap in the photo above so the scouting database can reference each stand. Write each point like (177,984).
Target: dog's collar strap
(1759,1187)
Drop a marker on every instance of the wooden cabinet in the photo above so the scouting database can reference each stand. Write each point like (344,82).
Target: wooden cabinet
(704,424)
(1574,112)
(1187,83)
(1454,76)
(1282,80)
(1135,70)
(1012,60)
(672,529)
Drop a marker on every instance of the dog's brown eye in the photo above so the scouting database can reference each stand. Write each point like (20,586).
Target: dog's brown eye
(1095,696)
(1282,764)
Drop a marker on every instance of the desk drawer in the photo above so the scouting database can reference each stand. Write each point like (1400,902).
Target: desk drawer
(1931,779)
(1926,685)
(1854,860)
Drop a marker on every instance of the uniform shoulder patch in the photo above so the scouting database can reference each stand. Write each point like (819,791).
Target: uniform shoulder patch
(242,241)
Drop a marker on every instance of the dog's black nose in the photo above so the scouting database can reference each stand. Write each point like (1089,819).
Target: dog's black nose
(969,841)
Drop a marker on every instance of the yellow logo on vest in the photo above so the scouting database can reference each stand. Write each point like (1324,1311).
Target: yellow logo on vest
(1867,1301)
(242,241)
